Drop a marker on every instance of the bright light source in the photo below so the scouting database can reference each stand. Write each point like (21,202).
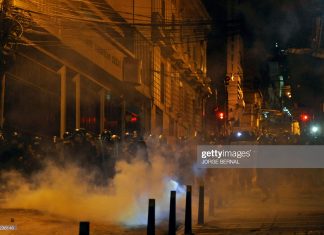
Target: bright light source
(181,189)
(265,114)
(133,119)
(304,117)
(315,129)
(286,111)
(239,134)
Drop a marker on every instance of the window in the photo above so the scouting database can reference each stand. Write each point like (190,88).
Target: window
(171,127)
(163,9)
(159,120)
(188,47)
(173,22)
(162,83)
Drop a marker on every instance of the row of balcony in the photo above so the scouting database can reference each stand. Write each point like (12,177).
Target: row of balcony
(165,37)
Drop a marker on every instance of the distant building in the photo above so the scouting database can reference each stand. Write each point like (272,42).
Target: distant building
(234,74)
(279,89)
(251,115)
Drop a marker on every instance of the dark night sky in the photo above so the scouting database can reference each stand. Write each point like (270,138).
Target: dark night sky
(264,22)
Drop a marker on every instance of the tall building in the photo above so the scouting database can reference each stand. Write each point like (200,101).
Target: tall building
(180,85)
(279,89)
(120,65)
(234,74)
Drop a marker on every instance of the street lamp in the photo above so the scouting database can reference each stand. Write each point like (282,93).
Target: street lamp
(220,115)
(315,129)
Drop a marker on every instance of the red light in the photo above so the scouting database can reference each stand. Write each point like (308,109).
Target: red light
(221,115)
(133,119)
(304,117)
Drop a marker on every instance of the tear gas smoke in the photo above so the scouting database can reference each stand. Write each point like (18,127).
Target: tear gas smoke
(70,192)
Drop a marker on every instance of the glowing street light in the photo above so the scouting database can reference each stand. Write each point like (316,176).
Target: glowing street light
(221,115)
(315,129)
(288,94)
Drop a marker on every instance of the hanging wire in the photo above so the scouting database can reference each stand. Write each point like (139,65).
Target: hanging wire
(110,10)
(69,21)
(176,27)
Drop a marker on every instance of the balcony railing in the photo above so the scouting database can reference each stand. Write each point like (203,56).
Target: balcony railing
(157,27)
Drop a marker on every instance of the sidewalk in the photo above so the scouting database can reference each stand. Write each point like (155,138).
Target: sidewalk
(247,214)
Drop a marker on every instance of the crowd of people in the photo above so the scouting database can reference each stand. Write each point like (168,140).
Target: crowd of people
(29,154)
(99,154)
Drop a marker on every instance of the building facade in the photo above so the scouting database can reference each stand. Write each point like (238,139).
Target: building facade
(252,112)
(119,65)
(234,73)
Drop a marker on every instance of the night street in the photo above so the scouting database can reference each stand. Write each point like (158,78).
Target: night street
(296,214)
(158,117)
(31,222)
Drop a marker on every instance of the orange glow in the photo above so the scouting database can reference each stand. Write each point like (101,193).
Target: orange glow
(221,115)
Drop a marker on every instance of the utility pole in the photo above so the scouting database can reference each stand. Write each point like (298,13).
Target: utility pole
(226,132)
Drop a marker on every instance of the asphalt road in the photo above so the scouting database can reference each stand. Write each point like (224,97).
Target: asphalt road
(32,222)
(301,213)
(296,212)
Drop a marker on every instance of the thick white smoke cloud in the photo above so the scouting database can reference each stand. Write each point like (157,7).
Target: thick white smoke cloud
(70,192)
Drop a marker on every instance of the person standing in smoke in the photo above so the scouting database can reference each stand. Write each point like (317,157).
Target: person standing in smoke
(65,147)
(106,152)
(126,155)
(34,160)
(163,148)
(93,156)
(13,152)
(137,148)
(151,142)
(184,164)
(82,150)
